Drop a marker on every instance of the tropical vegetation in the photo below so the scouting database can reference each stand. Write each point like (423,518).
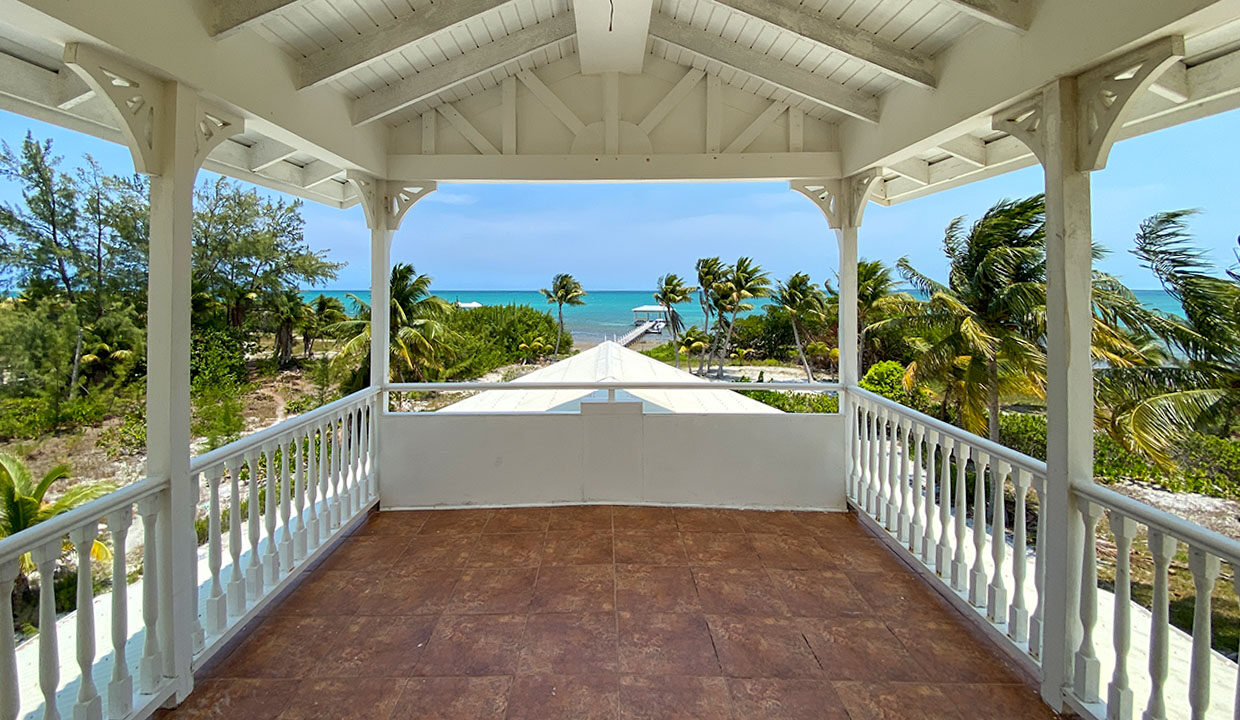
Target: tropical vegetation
(564,290)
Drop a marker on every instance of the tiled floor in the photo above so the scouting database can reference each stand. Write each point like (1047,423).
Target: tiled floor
(602,612)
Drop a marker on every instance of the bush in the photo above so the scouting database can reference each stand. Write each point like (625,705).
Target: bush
(127,438)
(887,380)
(491,337)
(1024,433)
(217,356)
(794,402)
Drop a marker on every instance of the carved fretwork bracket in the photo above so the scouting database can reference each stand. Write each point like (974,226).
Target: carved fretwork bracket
(141,102)
(1103,96)
(385,202)
(843,201)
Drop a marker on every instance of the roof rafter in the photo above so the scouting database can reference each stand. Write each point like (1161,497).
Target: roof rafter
(1014,15)
(803,83)
(416,88)
(885,56)
(332,62)
(230,16)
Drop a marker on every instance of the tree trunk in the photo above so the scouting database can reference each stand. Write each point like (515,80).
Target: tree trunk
(559,330)
(796,337)
(705,328)
(284,344)
(77,365)
(992,398)
(675,347)
(727,344)
(860,351)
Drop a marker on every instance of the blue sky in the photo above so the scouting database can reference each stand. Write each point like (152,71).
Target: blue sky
(619,237)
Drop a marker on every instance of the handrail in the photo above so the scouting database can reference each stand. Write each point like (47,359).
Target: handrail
(218,455)
(59,526)
(1196,535)
(611,385)
(990,447)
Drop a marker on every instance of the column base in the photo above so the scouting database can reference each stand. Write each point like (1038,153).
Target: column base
(960,575)
(120,697)
(91,710)
(271,570)
(236,595)
(977,588)
(150,671)
(216,614)
(286,551)
(1035,637)
(996,603)
(254,582)
(915,534)
(1119,703)
(942,561)
(1086,678)
(1018,625)
(299,544)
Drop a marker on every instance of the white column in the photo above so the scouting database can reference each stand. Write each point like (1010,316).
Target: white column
(850,358)
(380,290)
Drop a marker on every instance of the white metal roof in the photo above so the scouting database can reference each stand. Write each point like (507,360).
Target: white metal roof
(610,361)
(650,308)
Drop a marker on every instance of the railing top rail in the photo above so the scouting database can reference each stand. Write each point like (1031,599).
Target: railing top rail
(612,385)
(994,449)
(17,545)
(1195,535)
(215,457)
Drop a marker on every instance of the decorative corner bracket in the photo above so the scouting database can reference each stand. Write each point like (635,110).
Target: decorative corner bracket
(385,202)
(842,201)
(1024,122)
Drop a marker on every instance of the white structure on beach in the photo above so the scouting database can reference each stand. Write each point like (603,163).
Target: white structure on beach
(854,103)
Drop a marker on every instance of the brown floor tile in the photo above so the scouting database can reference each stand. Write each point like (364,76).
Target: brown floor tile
(404,523)
(666,644)
(860,649)
(903,597)
(673,698)
(482,590)
(366,553)
(325,592)
(706,520)
(226,698)
(508,550)
(457,522)
(577,548)
(722,549)
(838,525)
(453,698)
(775,699)
(514,520)
(650,548)
(1002,702)
(647,588)
(354,698)
(737,591)
(819,593)
(563,697)
(866,554)
(790,552)
(596,518)
(644,519)
(376,647)
(473,645)
(762,647)
(281,647)
(901,701)
(434,552)
(574,588)
(418,593)
(781,522)
(569,644)
(953,652)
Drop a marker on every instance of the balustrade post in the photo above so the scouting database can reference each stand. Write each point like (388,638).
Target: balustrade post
(299,535)
(286,503)
(996,593)
(150,668)
(943,551)
(1162,547)
(120,687)
(1018,616)
(271,561)
(189,534)
(1119,694)
(45,557)
(960,567)
(254,568)
(236,578)
(1087,669)
(977,576)
(89,705)
(1039,574)
(916,435)
(10,697)
(1206,569)
(873,479)
(891,514)
(216,605)
(927,538)
(325,519)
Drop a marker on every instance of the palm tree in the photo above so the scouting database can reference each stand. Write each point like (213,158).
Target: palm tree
(709,272)
(321,313)
(420,337)
(564,290)
(693,340)
(744,281)
(672,291)
(876,299)
(801,298)
(24,504)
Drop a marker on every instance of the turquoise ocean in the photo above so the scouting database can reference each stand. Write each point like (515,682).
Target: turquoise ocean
(610,312)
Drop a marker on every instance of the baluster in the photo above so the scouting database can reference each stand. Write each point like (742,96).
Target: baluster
(960,567)
(1163,548)
(1018,616)
(899,478)
(45,557)
(1086,680)
(891,515)
(1206,570)
(1235,586)
(216,607)
(254,568)
(996,593)
(198,634)
(872,479)
(325,522)
(10,697)
(271,561)
(851,481)
(1039,572)
(931,440)
(372,426)
(236,581)
(977,577)
(1119,694)
(916,435)
(89,705)
(337,476)
(300,463)
(120,687)
(355,459)
(943,552)
(286,506)
(884,460)
(150,668)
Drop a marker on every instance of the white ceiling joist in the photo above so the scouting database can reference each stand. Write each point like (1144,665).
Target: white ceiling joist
(968,148)
(866,47)
(337,60)
(416,88)
(229,16)
(803,83)
(611,36)
(1009,14)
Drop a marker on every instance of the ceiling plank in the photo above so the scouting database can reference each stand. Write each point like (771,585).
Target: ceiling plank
(415,88)
(803,83)
(331,63)
(868,48)
(1015,15)
(230,16)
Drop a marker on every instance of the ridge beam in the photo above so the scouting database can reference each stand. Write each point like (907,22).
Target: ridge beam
(339,59)
(1015,15)
(880,54)
(803,83)
(438,78)
(227,17)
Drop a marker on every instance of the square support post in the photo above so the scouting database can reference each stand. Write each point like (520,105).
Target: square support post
(380,312)
(847,333)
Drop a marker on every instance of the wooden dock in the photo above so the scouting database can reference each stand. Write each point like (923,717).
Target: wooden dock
(631,336)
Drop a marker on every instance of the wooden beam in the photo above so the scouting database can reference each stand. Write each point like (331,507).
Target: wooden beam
(1173,83)
(467,129)
(803,83)
(616,168)
(968,148)
(755,128)
(265,153)
(230,16)
(416,88)
(796,130)
(611,113)
(337,60)
(669,101)
(714,114)
(1016,15)
(509,105)
(552,102)
(870,49)
(913,169)
(429,132)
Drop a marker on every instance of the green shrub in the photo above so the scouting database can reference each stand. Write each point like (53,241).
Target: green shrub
(491,336)
(217,356)
(127,438)
(21,418)
(795,402)
(887,380)
(1024,433)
